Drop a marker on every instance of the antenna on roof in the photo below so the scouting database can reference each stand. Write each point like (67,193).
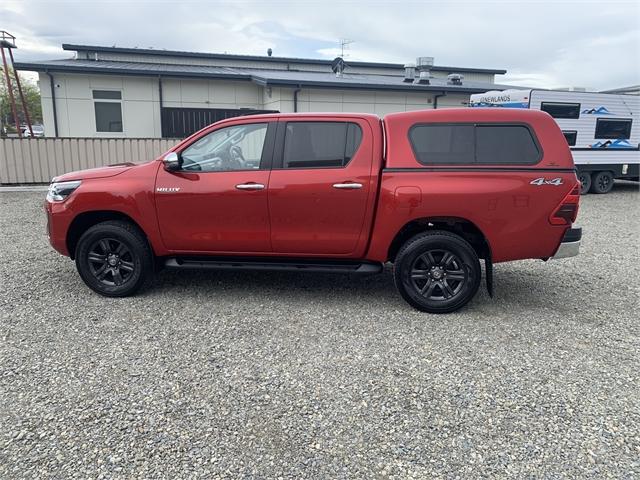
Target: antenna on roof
(344,45)
(269,52)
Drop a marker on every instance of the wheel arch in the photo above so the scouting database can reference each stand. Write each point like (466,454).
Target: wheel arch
(85,220)
(457,225)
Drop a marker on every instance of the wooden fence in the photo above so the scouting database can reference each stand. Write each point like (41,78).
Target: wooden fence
(38,160)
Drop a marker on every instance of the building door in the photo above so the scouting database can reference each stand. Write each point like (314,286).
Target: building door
(182,122)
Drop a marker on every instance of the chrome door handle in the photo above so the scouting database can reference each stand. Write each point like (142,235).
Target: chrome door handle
(250,186)
(347,186)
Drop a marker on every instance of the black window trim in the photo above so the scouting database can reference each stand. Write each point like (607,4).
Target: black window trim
(603,119)
(573,132)
(475,125)
(573,104)
(267,149)
(108,90)
(278,160)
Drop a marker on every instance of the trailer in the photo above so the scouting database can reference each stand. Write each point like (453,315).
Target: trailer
(602,129)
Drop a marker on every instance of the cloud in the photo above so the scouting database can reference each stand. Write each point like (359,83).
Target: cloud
(540,43)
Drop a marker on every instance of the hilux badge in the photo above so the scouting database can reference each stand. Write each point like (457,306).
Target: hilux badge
(168,189)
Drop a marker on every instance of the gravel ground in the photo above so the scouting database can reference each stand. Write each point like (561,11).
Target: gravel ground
(288,375)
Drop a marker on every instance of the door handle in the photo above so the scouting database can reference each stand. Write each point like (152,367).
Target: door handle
(347,186)
(250,186)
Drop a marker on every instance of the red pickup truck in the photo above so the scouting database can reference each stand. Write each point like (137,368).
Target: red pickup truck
(432,192)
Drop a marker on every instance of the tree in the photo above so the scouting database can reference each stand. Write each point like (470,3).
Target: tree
(31,98)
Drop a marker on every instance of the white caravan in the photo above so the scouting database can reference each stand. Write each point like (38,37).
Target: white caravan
(602,129)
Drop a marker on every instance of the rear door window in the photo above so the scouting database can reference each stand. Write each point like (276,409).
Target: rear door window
(320,144)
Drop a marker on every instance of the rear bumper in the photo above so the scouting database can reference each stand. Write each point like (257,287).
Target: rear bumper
(570,246)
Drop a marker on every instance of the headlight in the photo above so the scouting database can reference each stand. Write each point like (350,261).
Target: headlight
(59,191)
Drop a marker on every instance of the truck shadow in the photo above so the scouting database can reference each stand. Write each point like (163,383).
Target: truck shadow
(518,287)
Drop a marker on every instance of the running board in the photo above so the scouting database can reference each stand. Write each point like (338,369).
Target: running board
(289,265)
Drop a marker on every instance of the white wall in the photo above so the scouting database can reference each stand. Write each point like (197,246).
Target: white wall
(75,109)
(141,106)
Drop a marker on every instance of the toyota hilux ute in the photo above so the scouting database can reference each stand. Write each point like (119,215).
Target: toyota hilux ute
(432,192)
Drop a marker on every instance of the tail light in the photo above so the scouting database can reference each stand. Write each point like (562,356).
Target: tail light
(567,211)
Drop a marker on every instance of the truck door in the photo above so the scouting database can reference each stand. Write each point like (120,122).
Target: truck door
(217,201)
(320,187)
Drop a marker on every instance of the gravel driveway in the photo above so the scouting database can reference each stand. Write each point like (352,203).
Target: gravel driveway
(263,375)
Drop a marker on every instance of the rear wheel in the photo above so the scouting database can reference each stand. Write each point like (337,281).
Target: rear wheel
(585,182)
(602,182)
(437,272)
(114,259)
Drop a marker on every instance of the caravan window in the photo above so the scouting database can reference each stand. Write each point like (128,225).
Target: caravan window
(561,110)
(613,129)
(570,136)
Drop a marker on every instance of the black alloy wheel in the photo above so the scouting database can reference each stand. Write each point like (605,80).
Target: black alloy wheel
(437,272)
(114,258)
(111,262)
(438,275)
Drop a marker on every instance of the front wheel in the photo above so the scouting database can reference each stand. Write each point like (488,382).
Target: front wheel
(437,272)
(114,259)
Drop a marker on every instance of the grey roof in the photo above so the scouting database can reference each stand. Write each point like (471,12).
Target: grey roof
(258,76)
(631,89)
(308,61)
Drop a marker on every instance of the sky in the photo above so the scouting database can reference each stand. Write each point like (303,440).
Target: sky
(545,44)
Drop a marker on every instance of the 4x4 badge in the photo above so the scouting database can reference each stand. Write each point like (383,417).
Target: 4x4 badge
(544,181)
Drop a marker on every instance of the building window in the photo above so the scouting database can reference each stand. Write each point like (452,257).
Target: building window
(465,144)
(320,144)
(561,110)
(570,136)
(108,108)
(613,129)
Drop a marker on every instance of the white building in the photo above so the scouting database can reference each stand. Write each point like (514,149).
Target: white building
(147,93)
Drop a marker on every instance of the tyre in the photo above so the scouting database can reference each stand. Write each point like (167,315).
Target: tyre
(437,272)
(602,182)
(114,259)
(585,182)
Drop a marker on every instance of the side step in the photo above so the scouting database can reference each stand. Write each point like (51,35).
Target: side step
(261,263)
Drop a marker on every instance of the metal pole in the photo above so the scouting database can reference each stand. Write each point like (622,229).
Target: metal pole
(11,98)
(24,104)
(53,103)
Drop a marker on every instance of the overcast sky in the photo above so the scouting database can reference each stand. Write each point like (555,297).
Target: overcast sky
(540,43)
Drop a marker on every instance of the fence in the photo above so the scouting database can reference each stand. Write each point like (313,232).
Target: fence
(38,160)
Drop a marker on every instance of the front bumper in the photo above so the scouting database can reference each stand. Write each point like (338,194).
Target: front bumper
(58,220)
(570,246)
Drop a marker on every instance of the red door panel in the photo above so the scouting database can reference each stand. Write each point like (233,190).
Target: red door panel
(317,211)
(207,212)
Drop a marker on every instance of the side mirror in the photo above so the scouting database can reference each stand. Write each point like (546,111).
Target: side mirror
(172,161)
